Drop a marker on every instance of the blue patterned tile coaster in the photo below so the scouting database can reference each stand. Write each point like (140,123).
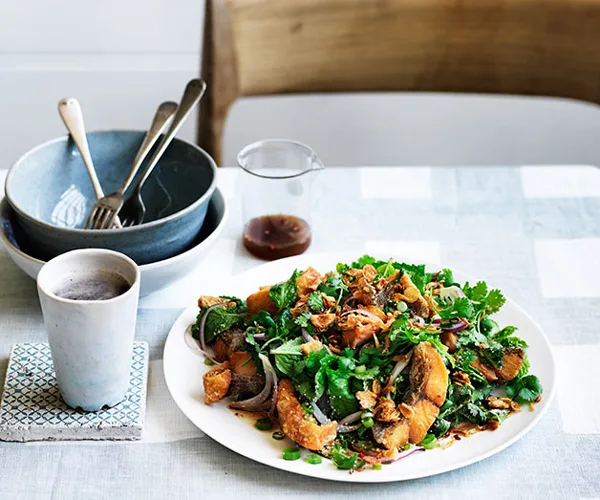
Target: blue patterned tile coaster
(33,410)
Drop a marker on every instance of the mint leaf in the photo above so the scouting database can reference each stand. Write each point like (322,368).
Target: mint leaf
(284,294)
(287,357)
(218,320)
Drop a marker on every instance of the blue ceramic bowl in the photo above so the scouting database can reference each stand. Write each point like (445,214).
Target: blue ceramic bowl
(51,194)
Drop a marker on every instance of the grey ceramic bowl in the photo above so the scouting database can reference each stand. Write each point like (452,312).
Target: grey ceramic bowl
(51,193)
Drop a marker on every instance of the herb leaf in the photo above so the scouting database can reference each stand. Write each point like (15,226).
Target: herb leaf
(284,294)
(315,302)
(524,389)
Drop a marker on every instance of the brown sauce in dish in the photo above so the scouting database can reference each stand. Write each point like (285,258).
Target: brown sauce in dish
(272,237)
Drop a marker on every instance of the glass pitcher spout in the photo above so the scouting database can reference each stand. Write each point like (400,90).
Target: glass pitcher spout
(279,159)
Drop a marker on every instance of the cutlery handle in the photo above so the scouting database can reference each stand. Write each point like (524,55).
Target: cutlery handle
(191,96)
(70,112)
(161,118)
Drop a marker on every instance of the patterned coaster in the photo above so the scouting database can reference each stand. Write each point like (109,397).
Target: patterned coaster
(33,410)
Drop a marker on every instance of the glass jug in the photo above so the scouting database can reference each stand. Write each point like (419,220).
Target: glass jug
(277,197)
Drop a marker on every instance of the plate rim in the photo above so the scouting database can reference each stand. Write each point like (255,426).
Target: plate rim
(343,476)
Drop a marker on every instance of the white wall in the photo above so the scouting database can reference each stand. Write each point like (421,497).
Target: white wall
(121,58)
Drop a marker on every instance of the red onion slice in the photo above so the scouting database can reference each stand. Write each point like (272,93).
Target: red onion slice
(306,336)
(350,419)
(318,414)
(202,326)
(343,429)
(402,456)
(456,327)
(399,366)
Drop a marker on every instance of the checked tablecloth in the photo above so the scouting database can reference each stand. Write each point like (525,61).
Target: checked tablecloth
(532,231)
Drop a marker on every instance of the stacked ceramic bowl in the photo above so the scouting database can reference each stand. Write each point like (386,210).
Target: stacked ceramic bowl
(49,196)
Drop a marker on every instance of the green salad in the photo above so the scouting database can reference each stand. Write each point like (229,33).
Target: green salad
(368,363)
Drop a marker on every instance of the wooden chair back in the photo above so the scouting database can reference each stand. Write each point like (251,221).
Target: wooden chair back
(523,47)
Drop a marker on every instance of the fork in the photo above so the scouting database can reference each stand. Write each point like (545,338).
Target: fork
(72,116)
(104,211)
(134,210)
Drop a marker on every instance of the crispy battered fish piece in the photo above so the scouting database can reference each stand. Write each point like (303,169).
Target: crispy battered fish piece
(412,296)
(360,283)
(427,392)
(391,436)
(308,282)
(428,375)
(228,342)
(423,415)
(216,383)
(208,300)
(322,321)
(512,362)
(261,301)
(241,362)
(358,329)
(294,423)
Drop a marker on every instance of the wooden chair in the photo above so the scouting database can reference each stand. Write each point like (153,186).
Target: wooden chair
(524,47)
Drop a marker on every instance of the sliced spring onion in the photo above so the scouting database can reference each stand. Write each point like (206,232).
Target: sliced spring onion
(314,459)
(368,422)
(429,442)
(208,362)
(360,369)
(264,424)
(278,435)
(377,466)
(291,454)
(402,306)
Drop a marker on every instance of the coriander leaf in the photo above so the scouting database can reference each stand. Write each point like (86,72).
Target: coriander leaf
(338,371)
(493,355)
(368,374)
(525,368)
(494,301)
(498,415)
(315,302)
(446,276)
(284,294)
(303,320)
(506,332)
(524,389)
(416,274)
(460,308)
(333,286)
(477,292)
(515,342)
(341,267)
(363,261)
(475,414)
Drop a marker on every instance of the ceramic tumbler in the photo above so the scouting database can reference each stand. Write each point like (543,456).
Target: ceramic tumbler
(91,339)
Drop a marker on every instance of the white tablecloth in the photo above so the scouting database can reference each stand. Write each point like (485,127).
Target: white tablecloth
(532,231)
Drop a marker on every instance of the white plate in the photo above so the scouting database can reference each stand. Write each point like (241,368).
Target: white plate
(184,369)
